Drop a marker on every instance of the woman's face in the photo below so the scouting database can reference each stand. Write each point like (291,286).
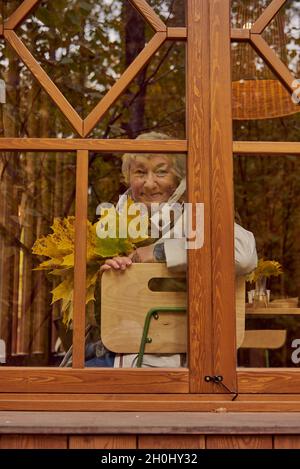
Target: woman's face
(152,179)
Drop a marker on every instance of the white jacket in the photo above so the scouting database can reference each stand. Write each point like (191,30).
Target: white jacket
(245,255)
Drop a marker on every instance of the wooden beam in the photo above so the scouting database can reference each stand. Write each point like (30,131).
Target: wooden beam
(105,145)
(149,14)
(177,33)
(240,35)
(268,148)
(42,77)
(222,198)
(274,62)
(117,89)
(106,380)
(198,169)
(266,17)
(255,380)
(79,313)
(216,404)
(20,14)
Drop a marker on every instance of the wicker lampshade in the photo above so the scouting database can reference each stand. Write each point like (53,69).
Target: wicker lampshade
(257,93)
(261,99)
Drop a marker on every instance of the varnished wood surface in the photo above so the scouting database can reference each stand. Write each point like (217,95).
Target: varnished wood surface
(103,442)
(221,216)
(267,15)
(270,380)
(198,168)
(76,423)
(287,442)
(92,404)
(33,442)
(149,14)
(105,145)
(171,441)
(271,148)
(218,403)
(81,216)
(239,442)
(264,339)
(240,35)
(105,380)
(177,33)
(20,13)
(125,302)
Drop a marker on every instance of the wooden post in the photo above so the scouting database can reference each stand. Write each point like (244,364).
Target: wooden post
(211,268)
(198,164)
(80,258)
(222,218)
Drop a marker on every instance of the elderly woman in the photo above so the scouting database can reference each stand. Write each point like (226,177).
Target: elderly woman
(161,179)
(154,179)
(157,178)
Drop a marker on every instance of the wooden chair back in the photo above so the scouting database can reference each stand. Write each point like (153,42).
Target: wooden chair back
(126,299)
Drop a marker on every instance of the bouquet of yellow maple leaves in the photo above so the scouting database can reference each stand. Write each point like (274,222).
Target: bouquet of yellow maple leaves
(59,247)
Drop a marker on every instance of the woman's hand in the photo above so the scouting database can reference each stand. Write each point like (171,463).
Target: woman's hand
(142,254)
(116,263)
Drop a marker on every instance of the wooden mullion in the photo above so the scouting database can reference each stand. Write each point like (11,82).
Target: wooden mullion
(268,148)
(273,61)
(130,73)
(198,164)
(20,14)
(149,14)
(81,211)
(266,17)
(222,216)
(44,80)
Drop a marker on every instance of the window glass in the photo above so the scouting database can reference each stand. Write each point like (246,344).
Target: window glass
(37,193)
(267,201)
(143,276)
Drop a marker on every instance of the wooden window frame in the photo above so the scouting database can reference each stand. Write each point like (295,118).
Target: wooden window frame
(209,148)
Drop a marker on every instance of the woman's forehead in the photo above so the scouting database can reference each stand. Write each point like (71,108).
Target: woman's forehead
(150,160)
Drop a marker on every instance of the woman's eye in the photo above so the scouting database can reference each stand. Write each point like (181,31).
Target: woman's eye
(162,172)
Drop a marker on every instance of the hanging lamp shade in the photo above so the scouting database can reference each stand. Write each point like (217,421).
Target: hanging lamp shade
(261,99)
(256,92)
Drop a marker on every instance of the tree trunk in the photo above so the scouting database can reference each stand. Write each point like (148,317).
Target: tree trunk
(134,43)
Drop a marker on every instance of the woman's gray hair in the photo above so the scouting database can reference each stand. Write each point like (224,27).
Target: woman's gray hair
(178,160)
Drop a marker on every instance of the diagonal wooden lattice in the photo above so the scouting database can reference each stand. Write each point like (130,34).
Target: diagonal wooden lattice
(254,37)
(84,126)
